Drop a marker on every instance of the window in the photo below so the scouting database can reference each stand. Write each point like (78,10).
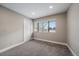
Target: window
(40,26)
(45,26)
(35,26)
(52,26)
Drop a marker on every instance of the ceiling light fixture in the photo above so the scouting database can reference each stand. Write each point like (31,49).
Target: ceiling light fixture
(33,13)
(50,7)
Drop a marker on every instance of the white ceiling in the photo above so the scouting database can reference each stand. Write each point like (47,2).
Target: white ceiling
(37,10)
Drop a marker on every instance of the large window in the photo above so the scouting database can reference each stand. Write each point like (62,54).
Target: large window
(45,26)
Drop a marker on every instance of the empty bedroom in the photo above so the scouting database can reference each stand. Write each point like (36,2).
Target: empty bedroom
(39,29)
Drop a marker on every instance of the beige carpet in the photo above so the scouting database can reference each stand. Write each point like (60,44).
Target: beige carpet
(38,48)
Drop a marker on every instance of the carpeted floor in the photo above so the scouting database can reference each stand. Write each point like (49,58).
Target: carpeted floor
(38,48)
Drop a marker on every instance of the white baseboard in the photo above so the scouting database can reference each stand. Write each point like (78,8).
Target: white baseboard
(51,41)
(10,47)
(71,50)
(5,49)
(57,43)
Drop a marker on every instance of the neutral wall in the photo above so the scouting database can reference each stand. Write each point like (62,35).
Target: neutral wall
(60,34)
(73,28)
(11,28)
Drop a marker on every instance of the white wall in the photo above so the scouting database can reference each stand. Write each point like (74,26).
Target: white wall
(73,28)
(28,29)
(12,28)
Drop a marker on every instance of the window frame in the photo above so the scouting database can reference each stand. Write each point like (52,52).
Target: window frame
(42,29)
